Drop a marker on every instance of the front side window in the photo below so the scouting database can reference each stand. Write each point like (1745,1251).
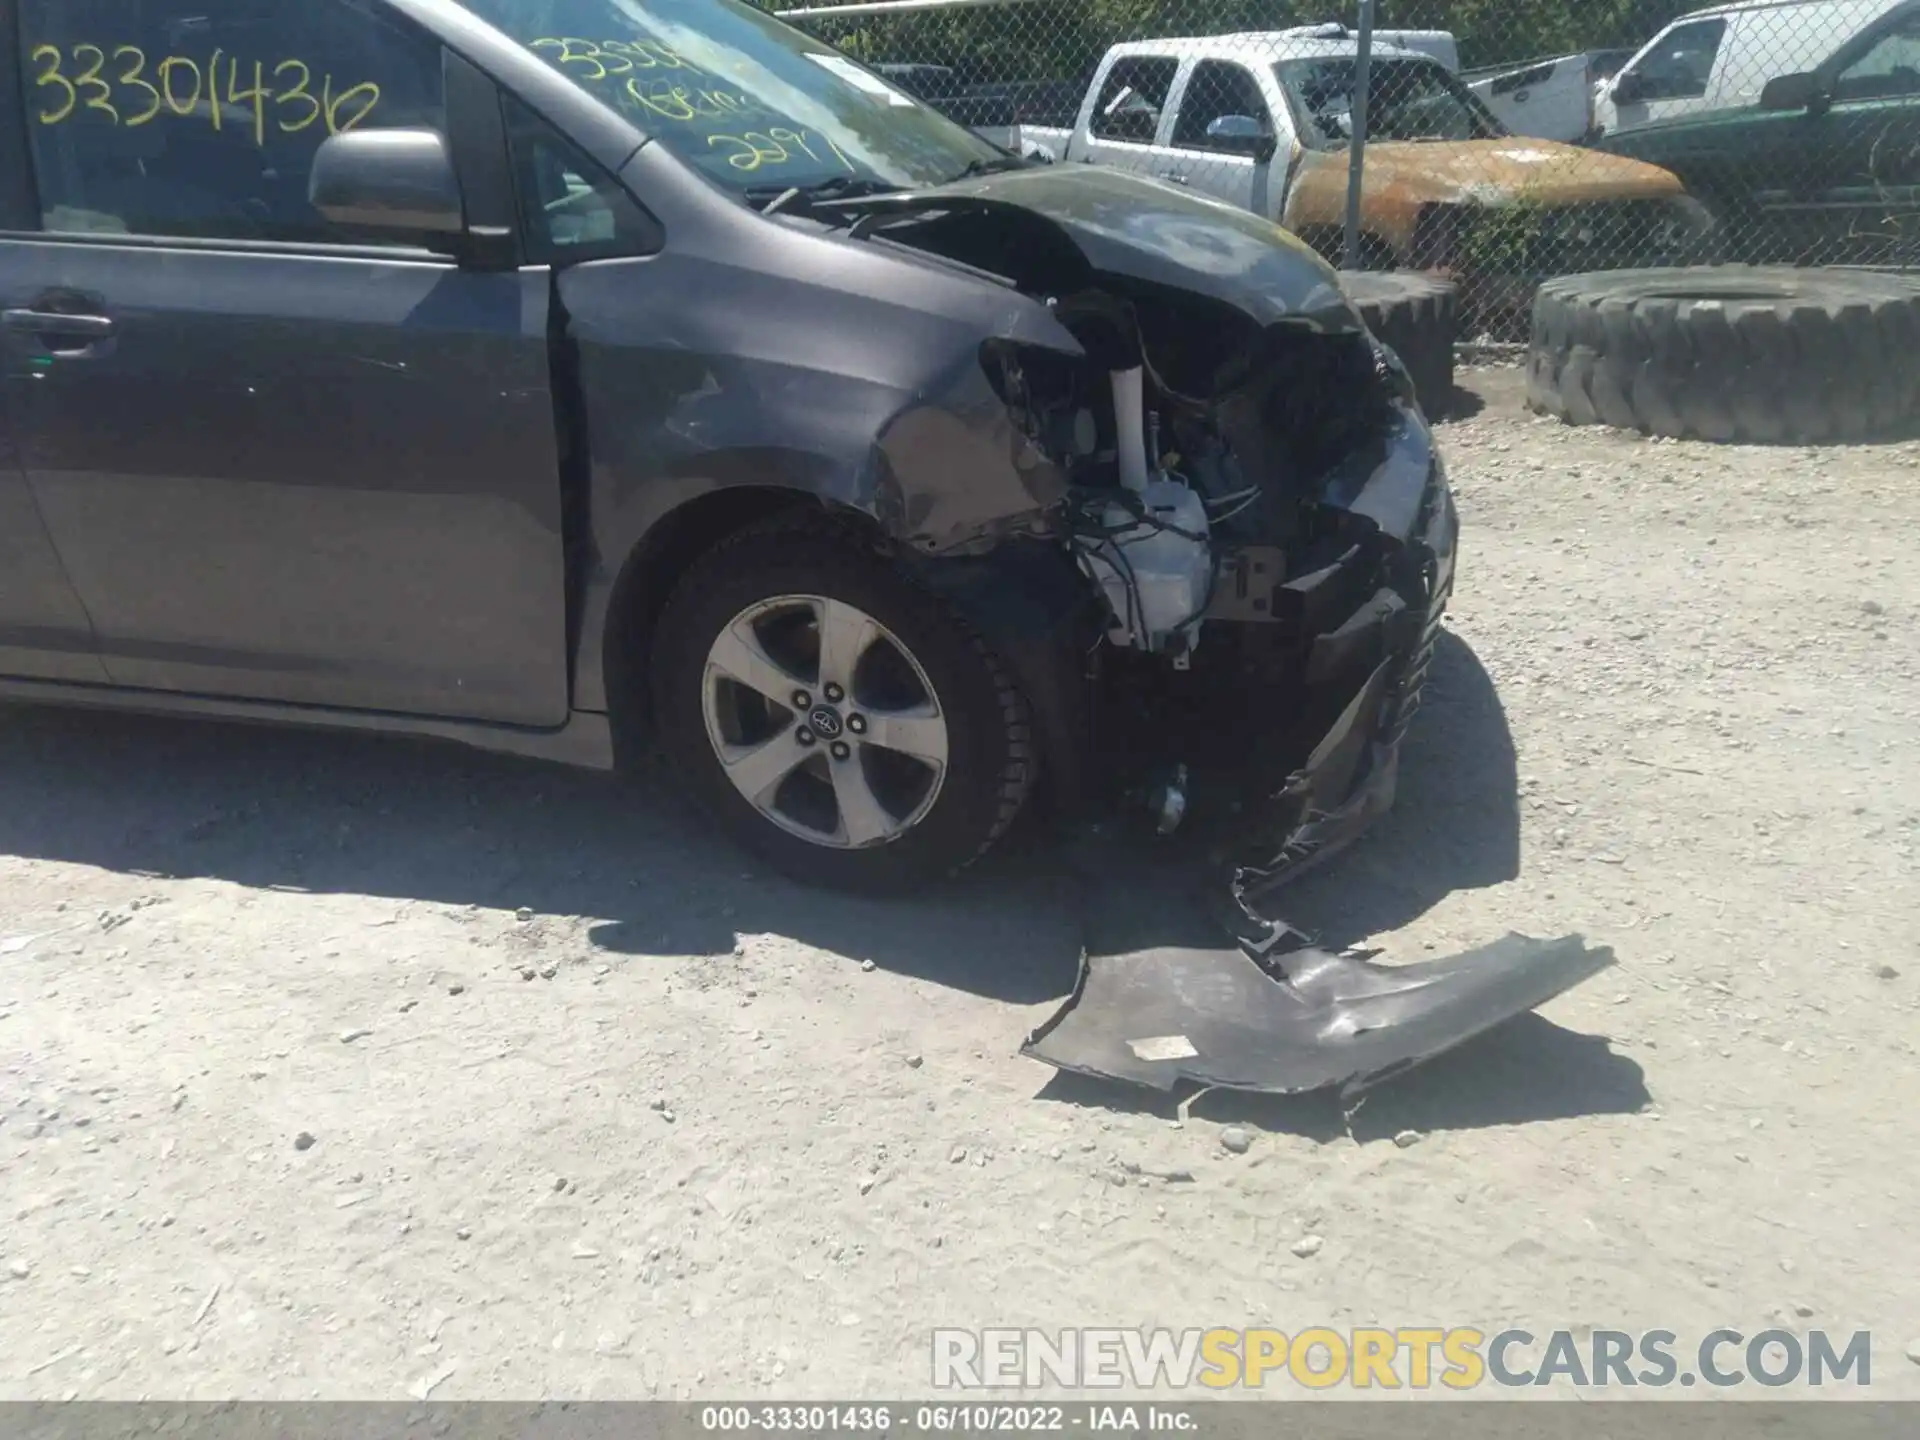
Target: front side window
(750,102)
(201,118)
(1680,65)
(1406,100)
(1131,101)
(570,209)
(1889,66)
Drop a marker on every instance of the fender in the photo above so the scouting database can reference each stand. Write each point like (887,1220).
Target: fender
(788,358)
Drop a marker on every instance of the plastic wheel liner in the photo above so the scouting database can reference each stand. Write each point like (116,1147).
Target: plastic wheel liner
(1185,975)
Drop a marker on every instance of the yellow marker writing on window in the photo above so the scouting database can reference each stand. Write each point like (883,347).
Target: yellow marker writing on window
(112,83)
(97,94)
(306,107)
(592,61)
(47,57)
(172,66)
(133,66)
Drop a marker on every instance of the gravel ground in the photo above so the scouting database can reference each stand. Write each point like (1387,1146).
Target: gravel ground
(356,1068)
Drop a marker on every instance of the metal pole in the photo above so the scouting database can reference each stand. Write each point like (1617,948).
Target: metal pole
(1357,119)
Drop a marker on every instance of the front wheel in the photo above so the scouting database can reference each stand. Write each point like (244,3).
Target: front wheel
(832,716)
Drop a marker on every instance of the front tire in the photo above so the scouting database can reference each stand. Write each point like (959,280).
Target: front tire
(832,716)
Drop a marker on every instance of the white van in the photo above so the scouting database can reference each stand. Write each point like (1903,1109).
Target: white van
(1723,57)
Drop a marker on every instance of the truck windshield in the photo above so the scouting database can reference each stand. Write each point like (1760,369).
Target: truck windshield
(754,104)
(1406,100)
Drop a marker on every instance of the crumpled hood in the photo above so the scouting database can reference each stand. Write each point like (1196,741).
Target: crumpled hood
(1133,228)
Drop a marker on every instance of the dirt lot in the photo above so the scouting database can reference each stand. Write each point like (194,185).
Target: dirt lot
(299,1100)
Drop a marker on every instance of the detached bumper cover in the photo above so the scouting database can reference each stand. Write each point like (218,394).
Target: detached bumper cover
(1303,1021)
(1163,996)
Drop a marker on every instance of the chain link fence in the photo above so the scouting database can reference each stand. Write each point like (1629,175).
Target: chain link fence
(1500,142)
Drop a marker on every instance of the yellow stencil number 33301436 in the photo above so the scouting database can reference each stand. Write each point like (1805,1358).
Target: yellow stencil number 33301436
(114,83)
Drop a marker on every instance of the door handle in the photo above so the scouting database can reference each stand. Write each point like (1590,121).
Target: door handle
(61,333)
(49,322)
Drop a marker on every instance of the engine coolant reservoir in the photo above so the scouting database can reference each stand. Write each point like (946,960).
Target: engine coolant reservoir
(1167,577)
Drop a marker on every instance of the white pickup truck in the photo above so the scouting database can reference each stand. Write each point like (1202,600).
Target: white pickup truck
(1262,121)
(1553,98)
(1549,98)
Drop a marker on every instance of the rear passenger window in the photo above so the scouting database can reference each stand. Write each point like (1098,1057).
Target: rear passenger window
(1131,101)
(200,118)
(1215,90)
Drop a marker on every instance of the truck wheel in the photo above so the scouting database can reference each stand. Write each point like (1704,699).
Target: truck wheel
(833,717)
(1417,317)
(1732,353)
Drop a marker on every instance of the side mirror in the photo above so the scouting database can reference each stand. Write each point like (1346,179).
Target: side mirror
(1792,92)
(1628,88)
(1242,133)
(399,181)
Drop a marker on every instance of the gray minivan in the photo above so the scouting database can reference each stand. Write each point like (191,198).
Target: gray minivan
(553,375)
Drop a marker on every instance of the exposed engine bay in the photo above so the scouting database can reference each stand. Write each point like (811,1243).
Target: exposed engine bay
(1264,545)
(1258,509)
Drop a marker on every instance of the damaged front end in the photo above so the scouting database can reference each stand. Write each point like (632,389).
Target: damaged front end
(1266,543)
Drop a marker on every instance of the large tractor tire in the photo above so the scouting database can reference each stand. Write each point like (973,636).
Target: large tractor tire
(1731,353)
(1417,317)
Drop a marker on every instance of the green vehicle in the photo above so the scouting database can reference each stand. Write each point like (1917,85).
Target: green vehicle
(1824,170)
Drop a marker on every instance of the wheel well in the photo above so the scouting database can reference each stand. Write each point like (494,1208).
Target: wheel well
(648,578)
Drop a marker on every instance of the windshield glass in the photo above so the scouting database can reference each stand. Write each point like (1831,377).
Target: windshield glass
(753,103)
(1407,100)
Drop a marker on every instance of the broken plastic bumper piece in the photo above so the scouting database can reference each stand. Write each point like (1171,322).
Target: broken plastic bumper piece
(1222,1015)
(1177,984)
(1192,982)
(1348,780)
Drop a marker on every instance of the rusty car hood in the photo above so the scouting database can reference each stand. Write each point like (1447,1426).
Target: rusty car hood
(1403,177)
(1130,228)
(1537,171)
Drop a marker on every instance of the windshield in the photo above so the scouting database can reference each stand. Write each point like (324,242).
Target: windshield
(1406,100)
(753,103)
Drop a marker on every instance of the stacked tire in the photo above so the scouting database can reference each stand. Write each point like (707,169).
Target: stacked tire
(1417,317)
(1730,353)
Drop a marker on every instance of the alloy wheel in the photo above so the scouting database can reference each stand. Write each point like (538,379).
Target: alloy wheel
(824,721)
